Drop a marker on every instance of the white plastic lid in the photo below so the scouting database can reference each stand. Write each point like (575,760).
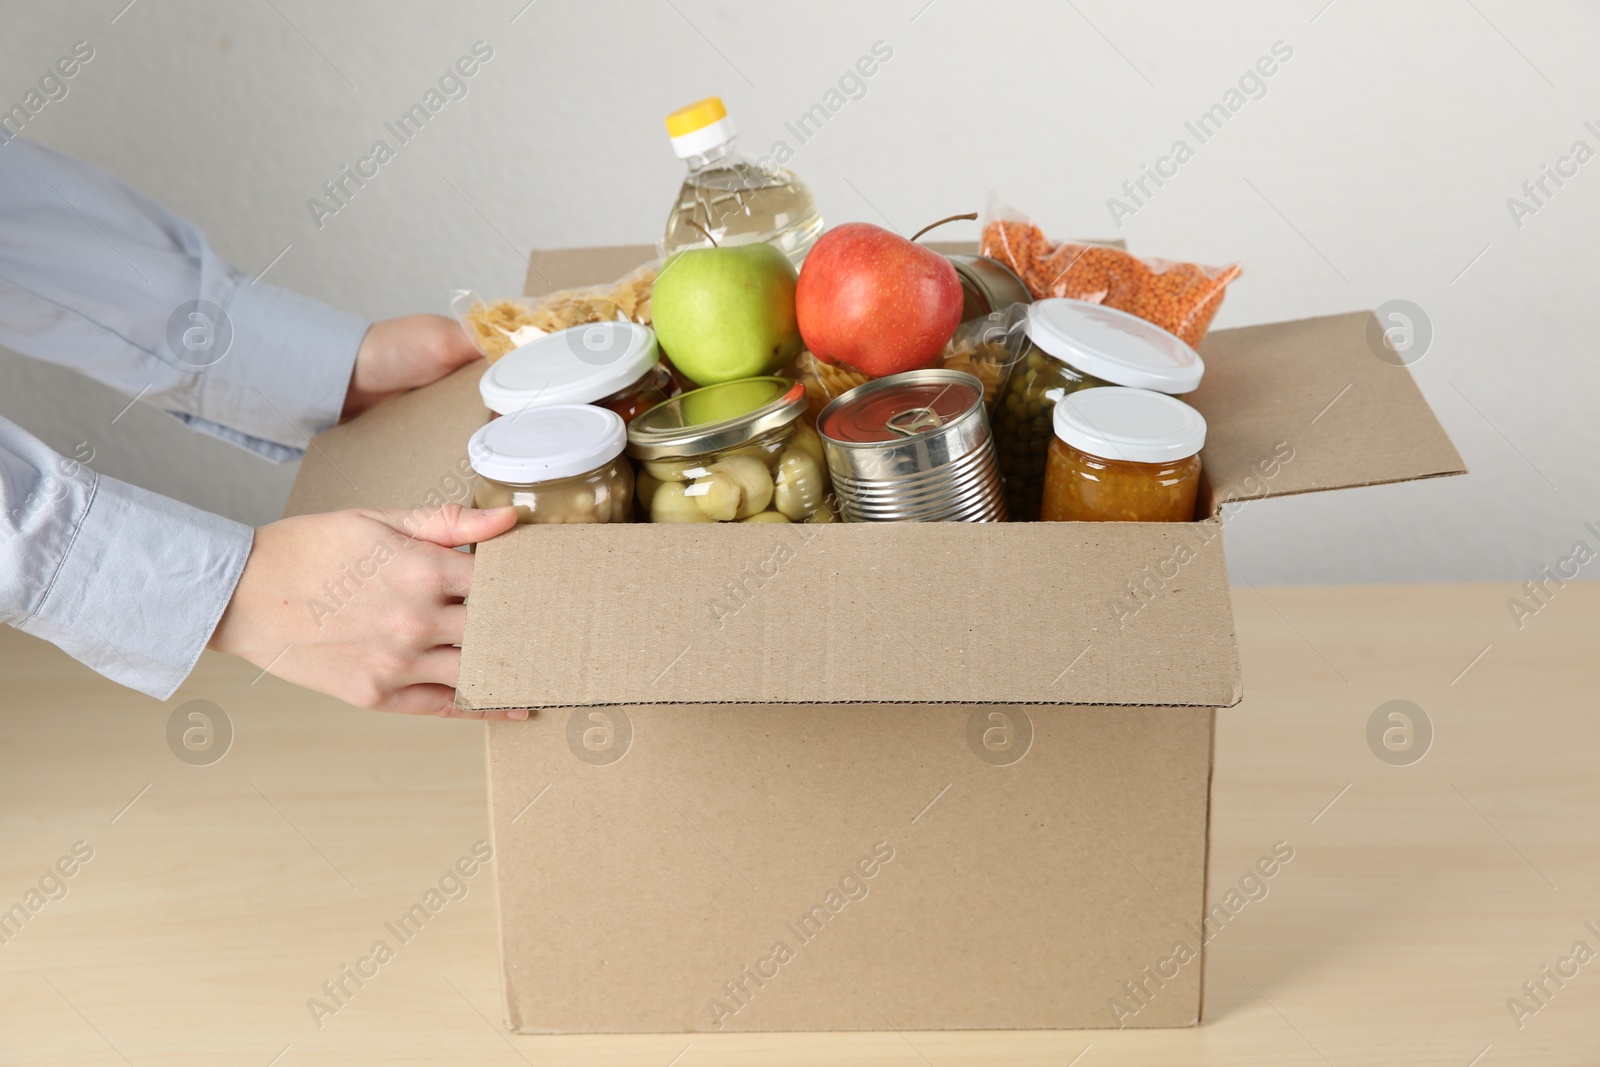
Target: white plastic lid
(1136,425)
(699,142)
(578,365)
(557,441)
(1113,345)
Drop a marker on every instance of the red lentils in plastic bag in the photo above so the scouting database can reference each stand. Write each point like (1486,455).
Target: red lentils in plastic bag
(1181,298)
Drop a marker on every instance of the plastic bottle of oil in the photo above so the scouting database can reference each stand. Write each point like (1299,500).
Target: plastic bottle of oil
(737,200)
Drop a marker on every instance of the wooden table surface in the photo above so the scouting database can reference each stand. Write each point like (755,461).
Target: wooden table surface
(1421,897)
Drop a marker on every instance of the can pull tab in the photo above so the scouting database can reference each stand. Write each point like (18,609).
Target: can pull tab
(913,421)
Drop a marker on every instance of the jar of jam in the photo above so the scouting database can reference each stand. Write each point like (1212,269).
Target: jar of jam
(733,452)
(1123,455)
(614,365)
(1070,345)
(556,464)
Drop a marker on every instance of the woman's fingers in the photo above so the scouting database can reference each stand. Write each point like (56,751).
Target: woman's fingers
(455,573)
(440,665)
(449,624)
(387,640)
(433,699)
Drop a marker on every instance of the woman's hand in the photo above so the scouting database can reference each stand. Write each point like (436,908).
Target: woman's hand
(365,605)
(401,354)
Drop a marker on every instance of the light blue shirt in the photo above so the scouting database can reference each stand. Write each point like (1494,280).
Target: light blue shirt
(95,277)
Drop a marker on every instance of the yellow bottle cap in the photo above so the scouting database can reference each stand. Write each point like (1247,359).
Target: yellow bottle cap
(697,116)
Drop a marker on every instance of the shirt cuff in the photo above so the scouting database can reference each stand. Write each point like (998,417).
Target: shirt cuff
(284,378)
(142,587)
(266,449)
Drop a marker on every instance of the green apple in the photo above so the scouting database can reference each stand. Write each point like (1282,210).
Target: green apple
(726,313)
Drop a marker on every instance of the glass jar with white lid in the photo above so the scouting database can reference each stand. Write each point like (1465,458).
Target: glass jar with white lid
(557,464)
(1123,455)
(614,365)
(1071,345)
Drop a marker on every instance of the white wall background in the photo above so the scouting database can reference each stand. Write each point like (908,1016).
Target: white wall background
(1387,148)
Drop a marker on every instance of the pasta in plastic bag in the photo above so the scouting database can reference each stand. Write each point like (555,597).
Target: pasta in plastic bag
(499,327)
(988,348)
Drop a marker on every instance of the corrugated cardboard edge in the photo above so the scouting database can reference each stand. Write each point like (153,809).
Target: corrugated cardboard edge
(1205,895)
(507,1011)
(1219,506)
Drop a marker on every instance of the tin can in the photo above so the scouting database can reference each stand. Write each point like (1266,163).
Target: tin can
(987,285)
(913,447)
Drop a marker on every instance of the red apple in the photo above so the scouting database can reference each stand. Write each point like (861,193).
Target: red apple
(873,301)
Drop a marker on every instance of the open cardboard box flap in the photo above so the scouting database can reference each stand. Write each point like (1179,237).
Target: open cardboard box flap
(1107,613)
(1313,390)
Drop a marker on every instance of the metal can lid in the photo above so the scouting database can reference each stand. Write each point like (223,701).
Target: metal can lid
(901,407)
(578,365)
(544,443)
(1114,346)
(716,417)
(1133,425)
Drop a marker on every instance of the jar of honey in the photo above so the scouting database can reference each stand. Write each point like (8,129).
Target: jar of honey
(613,365)
(1123,455)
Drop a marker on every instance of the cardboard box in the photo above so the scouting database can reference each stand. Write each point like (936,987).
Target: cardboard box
(861,777)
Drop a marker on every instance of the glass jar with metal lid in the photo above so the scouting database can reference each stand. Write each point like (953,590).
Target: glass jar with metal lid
(614,365)
(1071,345)
(913,447)
(1123,455)
(557,464)
(733,452)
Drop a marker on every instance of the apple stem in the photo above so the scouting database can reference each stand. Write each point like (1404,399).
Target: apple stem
(713,240)
(941,222)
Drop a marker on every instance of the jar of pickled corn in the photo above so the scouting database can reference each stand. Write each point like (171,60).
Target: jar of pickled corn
(1071,345)
(1123,455)
(733,452)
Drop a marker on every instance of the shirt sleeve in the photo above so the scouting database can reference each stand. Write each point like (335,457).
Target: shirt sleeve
(95,277)
(128,582)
